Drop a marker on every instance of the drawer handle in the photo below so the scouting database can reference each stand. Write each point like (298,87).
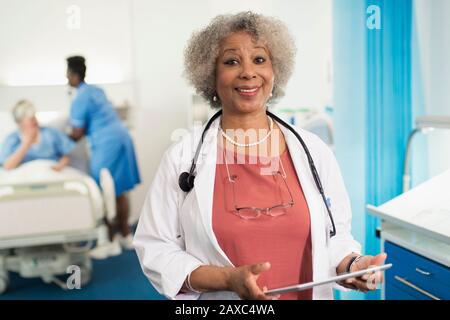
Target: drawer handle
(425,273)
(412,286)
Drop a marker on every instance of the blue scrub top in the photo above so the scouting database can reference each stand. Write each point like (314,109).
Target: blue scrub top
(52,145)
(92,111)
(110,142)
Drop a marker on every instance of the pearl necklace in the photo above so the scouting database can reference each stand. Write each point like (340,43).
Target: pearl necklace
(228,138)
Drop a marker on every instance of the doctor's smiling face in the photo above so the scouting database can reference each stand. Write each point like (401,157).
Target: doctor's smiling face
(244,74)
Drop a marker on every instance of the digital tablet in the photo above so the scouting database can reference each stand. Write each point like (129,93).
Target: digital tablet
(309,285)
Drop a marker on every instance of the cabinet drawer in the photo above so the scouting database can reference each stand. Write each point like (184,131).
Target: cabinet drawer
(394,293)
(416,273)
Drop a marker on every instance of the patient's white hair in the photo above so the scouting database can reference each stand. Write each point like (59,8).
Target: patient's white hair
(23,109)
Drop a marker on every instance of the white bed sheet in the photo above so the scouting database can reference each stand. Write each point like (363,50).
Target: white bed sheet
(33,215)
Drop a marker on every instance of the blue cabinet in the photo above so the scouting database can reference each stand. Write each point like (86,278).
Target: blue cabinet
(414,277)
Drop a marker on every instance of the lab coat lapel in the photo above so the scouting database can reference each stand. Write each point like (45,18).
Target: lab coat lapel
(313,200)
(204,186)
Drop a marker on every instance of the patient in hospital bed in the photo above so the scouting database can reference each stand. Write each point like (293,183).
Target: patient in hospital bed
(31,142)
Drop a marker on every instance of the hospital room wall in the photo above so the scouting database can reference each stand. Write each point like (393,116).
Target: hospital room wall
(433,32)
(42,31)
(35,39)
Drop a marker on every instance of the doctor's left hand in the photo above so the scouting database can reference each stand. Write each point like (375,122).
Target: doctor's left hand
(369,281)
(242,280)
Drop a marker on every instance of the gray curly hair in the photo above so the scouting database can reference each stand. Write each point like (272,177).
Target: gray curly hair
(202,51)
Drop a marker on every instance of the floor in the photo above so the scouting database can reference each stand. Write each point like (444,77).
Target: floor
(118,277)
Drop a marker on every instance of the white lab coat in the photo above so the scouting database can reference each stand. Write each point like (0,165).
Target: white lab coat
(175,235)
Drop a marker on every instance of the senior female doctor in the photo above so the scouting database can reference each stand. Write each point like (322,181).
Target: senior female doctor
(254,218)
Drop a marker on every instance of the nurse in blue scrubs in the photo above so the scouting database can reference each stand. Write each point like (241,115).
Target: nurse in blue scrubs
(32,142)
(111,146)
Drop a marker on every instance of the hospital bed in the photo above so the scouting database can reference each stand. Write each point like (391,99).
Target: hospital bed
(50,220)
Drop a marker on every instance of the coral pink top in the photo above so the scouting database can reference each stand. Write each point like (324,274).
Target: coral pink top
(284,241)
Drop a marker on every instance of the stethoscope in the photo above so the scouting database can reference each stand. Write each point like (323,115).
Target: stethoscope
(186,179)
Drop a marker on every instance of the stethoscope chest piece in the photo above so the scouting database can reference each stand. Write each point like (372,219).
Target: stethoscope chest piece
(186,181)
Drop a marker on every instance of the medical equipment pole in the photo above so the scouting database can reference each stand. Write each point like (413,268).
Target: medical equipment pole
(423,124)
(406,175)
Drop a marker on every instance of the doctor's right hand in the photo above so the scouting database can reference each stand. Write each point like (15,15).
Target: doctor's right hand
(242,280)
